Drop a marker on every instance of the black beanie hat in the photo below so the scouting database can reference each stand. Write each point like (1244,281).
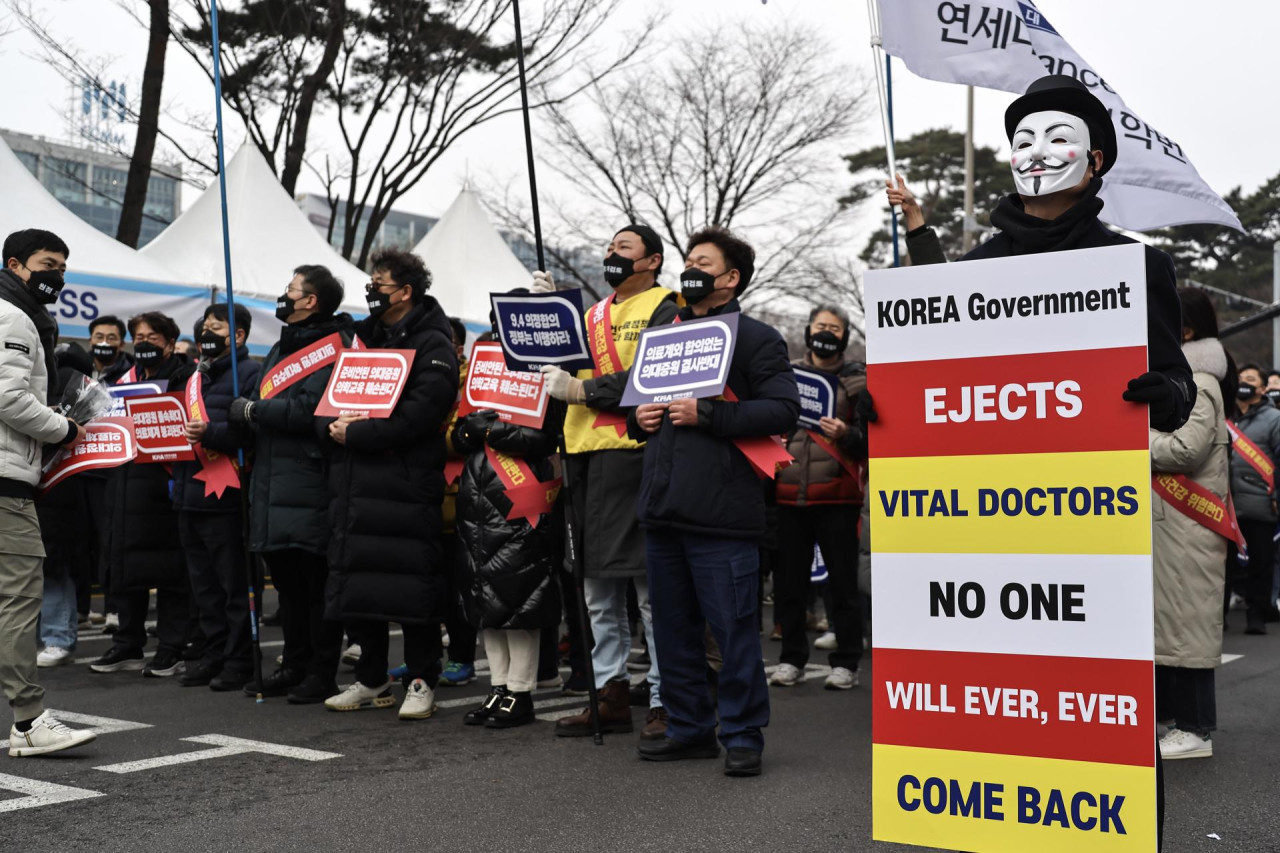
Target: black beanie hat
(1067,94)
(652,242)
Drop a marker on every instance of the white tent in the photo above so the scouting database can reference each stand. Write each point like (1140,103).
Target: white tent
(103,276)
(468,260)
(270,236)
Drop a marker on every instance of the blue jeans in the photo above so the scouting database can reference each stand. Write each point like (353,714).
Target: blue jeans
(58,610)
(697,581)
(607,608)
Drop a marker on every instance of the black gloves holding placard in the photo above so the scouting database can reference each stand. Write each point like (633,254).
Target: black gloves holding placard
(1161,395)
(471,430)
(240,413)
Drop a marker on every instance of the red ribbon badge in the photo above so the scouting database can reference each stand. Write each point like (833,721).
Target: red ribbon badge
(217,471)
(529,497)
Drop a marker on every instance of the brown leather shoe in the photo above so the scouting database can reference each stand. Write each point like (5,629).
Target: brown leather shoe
(655,725)
(615,713)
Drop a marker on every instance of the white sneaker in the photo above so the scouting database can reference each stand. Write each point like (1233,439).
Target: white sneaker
(1238,602)
(351,656)
(787,675)
(46,735)
(357,696)
(53,656)
(841,679)
(112,623)
(444,636)
(553,682)
(1163,727)
(419,701)
(1179,744)
(827,642)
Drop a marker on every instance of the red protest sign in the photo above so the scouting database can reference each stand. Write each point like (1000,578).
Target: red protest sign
(159,428)
(519,398)
(107,442)
(366,381)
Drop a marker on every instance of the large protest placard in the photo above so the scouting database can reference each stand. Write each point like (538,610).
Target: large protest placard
(517,397)
(106,443)
(689,359)
(159,428)
(537,329)
(366,381)
(1013,704)
(121,392)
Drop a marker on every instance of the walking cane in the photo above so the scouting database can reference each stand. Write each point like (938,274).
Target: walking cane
(250,571)
(571,547)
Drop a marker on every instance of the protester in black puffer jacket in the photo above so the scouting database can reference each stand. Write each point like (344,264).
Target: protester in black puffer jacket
(507,571)
(386,483)
(212,526)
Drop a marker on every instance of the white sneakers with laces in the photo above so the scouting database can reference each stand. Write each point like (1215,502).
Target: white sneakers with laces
(1182,744)
(419,701)
(787,675)
(841,678)
(46,735)
(357,696)
(53,656)
(827,642)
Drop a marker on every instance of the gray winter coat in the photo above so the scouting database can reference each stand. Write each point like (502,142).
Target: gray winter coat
(1261,424)
(1189,558)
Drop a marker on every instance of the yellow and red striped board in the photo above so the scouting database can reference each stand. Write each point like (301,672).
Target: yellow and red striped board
(1011,507)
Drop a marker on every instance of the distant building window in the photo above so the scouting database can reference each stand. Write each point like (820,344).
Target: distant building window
(162,198)
(31,161)
(108,186)
(66,179)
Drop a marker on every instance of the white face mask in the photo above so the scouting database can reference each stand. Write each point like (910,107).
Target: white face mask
(1050,152)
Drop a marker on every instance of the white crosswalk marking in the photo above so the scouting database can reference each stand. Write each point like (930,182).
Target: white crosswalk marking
(98,725)
(223,746)
(36,794)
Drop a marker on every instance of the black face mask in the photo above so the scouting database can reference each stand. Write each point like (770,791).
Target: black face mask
(284,308)
(378,302)
(1274,395)
(46,284)
(826,343)
(211,344)
(147,354)
(105,354)
(618,269)
(696,285)
(1245,391)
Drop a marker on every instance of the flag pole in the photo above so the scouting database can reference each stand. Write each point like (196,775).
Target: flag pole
(528,139)
(884,82)
(231,331)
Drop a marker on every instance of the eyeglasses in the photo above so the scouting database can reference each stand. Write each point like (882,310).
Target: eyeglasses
(374,285)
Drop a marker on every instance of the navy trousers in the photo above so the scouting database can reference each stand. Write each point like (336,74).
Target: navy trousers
(696,581)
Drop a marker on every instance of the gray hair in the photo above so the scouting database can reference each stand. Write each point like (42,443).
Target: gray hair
(830,309)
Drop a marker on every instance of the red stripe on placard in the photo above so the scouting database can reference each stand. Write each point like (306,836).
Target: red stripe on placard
(1083,709)
(1058,402)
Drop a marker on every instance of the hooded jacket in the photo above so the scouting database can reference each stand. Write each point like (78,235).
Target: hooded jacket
(1261,424)
(817,477)
(386,484)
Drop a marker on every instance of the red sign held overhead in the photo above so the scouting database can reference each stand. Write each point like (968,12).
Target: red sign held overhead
(518,398)
(106,443)
(159,427)
(367,382)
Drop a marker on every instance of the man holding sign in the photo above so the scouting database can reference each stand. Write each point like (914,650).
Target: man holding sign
(702,507)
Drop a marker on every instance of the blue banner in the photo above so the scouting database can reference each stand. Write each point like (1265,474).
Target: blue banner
(542,328)
(133,389)
(817,396)
(689,359)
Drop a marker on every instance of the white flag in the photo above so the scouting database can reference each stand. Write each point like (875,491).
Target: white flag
(1006,44)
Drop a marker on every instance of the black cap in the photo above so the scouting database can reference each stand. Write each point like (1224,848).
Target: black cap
(1067,94)
(652,242)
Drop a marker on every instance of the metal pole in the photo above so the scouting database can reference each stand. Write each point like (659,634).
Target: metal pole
(1275,298)
(888,98)
(528,139)
(968,233)
(231,330)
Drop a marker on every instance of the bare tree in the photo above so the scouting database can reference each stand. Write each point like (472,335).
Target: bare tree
(738,129)
(144,141)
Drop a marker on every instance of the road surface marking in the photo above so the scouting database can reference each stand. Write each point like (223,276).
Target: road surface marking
(40,793)
(223,746)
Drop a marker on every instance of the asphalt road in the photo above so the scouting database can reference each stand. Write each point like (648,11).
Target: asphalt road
(437,785)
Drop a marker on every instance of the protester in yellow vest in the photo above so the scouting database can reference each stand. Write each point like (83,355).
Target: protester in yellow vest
(604,467)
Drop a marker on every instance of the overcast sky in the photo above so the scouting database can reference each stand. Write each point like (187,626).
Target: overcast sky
(1204,74)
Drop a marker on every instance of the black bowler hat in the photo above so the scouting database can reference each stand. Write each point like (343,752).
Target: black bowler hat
(1068,95)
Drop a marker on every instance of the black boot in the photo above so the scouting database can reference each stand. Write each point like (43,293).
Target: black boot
(279,683)
(312,690)
(478,716)
(514,709)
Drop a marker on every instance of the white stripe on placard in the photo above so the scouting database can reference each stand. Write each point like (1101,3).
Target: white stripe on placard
(1116,601)
(909,316)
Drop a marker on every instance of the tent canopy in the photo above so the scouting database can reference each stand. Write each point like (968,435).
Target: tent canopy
(103,276)
(270,236)
(469,260)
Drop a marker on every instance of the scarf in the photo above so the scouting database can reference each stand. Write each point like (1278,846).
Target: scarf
(1031,235)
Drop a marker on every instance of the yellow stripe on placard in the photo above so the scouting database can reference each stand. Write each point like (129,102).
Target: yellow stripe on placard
(1030,503)
(990,803)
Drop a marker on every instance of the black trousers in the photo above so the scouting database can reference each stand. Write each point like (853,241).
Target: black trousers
(1188,697)
(834,528)
(462,636)
(173,619)
(214,545)
(422,652)
(1255,579)
(312,644)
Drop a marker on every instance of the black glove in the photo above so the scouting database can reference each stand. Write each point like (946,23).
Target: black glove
(866,407)
(1161,396)
(241,412)
(472,428)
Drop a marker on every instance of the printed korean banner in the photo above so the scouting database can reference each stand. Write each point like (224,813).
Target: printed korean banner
(542,328)
(367,381)
(106,443)
(817,396)
(159,428)
(689,359)
(1006,44)
(517,397)
(122,391)
(1013,700)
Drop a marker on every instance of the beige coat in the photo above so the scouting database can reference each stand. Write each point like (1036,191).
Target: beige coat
(1189,558)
